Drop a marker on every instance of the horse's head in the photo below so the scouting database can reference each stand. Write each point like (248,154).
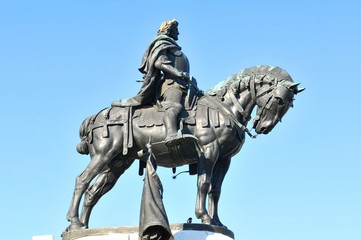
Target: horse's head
(274,93)
(270,88)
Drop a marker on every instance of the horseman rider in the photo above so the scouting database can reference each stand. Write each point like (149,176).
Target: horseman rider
(166,77)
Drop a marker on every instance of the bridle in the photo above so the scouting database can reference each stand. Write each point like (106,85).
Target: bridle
(276,90)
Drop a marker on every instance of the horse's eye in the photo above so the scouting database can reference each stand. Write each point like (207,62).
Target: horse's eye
(280,101)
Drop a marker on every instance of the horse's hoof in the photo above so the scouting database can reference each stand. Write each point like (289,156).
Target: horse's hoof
(221,225)
(75,226)
(218,223)
(207,221)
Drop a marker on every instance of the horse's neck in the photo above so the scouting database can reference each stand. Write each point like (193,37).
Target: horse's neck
(241,105)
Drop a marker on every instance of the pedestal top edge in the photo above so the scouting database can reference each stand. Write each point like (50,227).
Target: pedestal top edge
(134,230)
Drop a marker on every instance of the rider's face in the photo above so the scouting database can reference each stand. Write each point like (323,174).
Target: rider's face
(173,32)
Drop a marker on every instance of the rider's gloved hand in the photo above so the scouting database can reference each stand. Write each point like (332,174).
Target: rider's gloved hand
(185,76)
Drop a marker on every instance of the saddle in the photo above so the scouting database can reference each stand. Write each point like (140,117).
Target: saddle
(152,115)
(197,111)
(184,149)
(148,116)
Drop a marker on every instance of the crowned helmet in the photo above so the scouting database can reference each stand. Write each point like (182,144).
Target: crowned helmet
(167,25)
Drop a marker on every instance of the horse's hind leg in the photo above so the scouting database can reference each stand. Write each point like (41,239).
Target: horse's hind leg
(219,172)
(103,184)
(96,165)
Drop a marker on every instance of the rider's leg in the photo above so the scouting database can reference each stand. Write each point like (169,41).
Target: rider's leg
(172,99)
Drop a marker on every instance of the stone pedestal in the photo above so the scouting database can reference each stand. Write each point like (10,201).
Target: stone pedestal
(180,232)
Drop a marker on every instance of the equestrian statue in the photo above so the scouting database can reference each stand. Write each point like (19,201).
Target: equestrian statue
(184,126)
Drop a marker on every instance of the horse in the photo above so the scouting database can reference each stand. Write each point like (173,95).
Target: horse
(217,121)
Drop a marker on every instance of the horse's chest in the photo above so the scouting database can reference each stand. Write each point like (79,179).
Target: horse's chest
(230,141)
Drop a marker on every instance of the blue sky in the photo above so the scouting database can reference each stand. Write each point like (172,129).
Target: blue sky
(61,61)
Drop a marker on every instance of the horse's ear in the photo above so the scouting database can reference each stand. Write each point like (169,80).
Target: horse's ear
(295,89)
(299,90)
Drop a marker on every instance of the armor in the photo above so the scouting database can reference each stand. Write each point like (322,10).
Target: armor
(175,67)
(166,76)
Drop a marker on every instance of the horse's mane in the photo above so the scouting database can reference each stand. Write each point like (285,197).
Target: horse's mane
(263,71)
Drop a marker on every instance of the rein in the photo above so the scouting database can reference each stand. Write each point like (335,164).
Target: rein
(227,112)
(238,106)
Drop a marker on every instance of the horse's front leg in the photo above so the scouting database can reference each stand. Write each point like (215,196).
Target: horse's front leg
(205,168)
(219,172)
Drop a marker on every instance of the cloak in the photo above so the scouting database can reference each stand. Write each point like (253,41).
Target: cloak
(152,75)
(153,223)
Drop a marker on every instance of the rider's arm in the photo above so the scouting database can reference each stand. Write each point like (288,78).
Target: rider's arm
(164,64)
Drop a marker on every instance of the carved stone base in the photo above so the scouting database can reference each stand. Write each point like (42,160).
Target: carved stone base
(180,232)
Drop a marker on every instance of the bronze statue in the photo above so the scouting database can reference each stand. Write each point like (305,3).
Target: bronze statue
(166,76)
(117,135)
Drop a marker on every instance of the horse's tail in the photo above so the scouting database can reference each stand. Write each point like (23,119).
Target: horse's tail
(82,147)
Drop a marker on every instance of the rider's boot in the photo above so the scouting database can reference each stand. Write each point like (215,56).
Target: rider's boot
(170,120)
